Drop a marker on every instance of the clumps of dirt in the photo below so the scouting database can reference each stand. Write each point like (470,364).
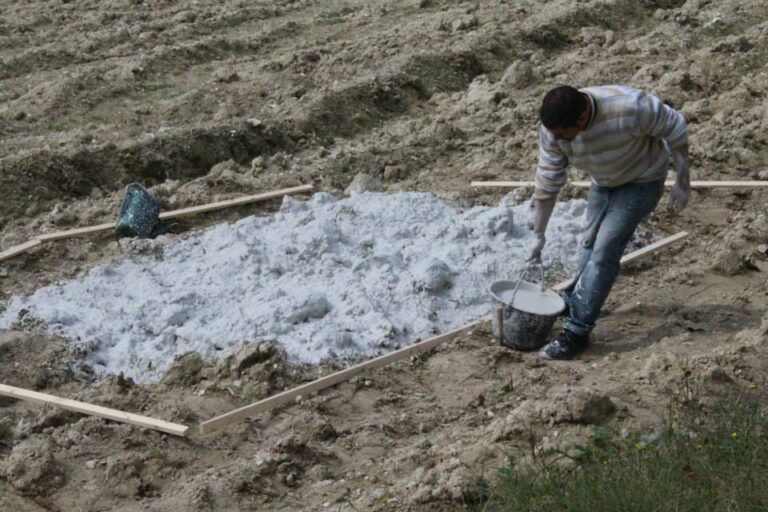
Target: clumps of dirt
(225,178)
(580,407)
(32,469)
(184,371)
(251,369)
(118,392)
(248,359)
(270,471)
(33,361)
(743,246)
(364,183)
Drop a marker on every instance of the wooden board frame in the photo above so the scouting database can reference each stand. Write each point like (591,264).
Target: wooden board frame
(94,410)
(183,212)
(421,346)
(587,184)
(19,249)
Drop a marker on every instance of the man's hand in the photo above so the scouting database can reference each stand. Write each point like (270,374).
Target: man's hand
(543,210)
(681,190)
(678,197)
(536,246)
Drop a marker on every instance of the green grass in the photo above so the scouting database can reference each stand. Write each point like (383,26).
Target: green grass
(696,462)
(157,454)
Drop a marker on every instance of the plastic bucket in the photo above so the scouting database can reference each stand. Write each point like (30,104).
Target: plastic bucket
(523,313)
(139,213)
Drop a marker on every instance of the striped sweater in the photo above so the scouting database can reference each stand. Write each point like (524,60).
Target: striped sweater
(628,140)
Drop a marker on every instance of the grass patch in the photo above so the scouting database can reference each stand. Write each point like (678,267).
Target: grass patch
(695,462)
(157,454)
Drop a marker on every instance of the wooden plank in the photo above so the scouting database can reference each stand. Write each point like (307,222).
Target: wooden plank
(94,410)
(346,374)
(725,184)
(648,249)
(636,255)
(19,249)
(236,202)
(329,380)
(192,210)
(58,235)
(587,184)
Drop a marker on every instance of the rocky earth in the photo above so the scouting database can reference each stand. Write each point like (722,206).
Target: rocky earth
(205,101)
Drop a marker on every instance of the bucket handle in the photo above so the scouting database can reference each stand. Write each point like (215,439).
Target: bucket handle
(522,274)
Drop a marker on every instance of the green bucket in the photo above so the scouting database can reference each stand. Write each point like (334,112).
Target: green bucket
(139,213)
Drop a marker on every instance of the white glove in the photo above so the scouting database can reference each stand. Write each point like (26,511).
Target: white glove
(681,190)
(536,246)
(678,197)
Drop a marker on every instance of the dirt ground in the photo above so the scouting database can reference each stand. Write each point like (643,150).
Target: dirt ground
(212,100)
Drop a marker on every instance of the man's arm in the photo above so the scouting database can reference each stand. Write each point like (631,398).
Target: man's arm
(543,211)
(663,122)
(681,190)
(549,179)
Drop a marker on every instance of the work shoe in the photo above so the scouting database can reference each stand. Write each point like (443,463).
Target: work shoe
(566,345)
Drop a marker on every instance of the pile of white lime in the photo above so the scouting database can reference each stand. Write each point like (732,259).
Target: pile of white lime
(323,278)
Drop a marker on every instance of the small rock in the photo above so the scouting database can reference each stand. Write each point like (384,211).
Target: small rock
(184,371)
(247,354)
(719,375)
(220,169)
(319,472)
(91,464)
(364,183)
(326,432)
(257,165)
(465,23)
(255,123)
(3,272)
(589,408)
(518,75)
(226,76)
(61,216)
(504,129)
(394,172)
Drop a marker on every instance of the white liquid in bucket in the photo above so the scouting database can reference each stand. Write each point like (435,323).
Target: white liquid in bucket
(529,298)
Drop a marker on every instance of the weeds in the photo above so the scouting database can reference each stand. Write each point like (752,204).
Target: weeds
(695,461)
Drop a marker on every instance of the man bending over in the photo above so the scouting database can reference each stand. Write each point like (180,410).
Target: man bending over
(623,138)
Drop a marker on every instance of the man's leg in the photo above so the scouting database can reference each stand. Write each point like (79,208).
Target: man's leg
(627,206)
(598,200)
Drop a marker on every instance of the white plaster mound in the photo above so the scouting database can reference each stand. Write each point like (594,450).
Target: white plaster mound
(323,278)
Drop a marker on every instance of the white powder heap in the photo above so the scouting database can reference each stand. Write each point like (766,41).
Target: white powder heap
(323,278)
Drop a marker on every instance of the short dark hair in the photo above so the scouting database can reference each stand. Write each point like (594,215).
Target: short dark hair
(561,107)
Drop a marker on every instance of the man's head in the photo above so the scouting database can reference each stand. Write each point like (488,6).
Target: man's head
(564,112)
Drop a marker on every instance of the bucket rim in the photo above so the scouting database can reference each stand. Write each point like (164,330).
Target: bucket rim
(557,305)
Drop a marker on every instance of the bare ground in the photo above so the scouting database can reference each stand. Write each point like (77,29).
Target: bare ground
(211,101)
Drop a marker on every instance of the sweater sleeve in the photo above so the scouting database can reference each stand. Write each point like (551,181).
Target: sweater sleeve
(661,121)
(550,171)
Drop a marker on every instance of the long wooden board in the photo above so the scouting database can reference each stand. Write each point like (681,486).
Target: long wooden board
(19,249)
(346,374)
(587,184)
(70,233)
(236,202)
(94,410)
(192,210)
(329,380)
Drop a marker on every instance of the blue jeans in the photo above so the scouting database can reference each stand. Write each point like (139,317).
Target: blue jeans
(612,217)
